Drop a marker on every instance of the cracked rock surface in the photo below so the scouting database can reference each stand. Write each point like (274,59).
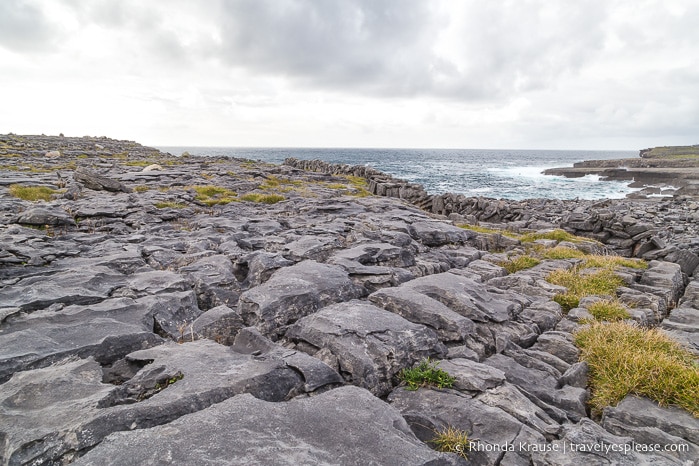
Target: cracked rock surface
(143,322)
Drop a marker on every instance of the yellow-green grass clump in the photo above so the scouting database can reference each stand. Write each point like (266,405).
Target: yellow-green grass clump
(625,359)
(583,283)
(557,235)
(141,188)
(452,440)
(32,193)
(486,230)
(263,198)
(170,205)
(614,262)
(608,310)
(274,182)
(519,263)
(359,185)
(213,195)
(562,252)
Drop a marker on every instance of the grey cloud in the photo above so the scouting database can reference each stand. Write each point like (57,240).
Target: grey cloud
(23,27)
(389,47)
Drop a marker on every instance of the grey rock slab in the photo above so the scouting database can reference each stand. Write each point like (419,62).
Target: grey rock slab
(42,216)
(107,330)
(371,345)
(174,380)
(377,254)
(260,266)
(311,247)
(635,411)
(432,233)
(576,375)
(486,270)
(220,324)
(586,443)
(471,375)
(93,180)
(293,292)
(316,373)
(428,411)
(527,285)
(560,344)
(465,296)
(664,275)
(545,314)
(421,309)
(542,385)
(82,286)
(511,400)
(345,426)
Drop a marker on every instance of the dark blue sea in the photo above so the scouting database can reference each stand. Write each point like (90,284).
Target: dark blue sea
(508,174)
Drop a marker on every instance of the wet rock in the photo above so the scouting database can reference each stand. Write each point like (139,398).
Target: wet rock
(371,345)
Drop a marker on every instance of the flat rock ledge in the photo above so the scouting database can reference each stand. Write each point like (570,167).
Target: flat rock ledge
(184,310)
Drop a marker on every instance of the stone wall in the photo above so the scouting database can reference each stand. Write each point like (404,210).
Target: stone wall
(628,227)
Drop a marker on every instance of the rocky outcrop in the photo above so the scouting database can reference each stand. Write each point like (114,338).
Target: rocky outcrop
(158,323)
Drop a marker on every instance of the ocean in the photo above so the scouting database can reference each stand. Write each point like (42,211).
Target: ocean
(500,174)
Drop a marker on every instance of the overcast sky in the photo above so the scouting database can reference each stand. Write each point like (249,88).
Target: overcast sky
(528,74)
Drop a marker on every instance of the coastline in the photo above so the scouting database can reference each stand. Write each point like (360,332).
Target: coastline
(149,299)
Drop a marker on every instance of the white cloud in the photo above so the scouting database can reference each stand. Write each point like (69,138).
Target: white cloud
(502,73)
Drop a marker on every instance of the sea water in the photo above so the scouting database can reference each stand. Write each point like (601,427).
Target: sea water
(501,174)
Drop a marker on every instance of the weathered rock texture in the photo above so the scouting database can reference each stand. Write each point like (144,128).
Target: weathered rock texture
(144,321)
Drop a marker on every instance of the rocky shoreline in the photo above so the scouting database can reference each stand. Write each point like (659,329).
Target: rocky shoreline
(182,310)
(658,172)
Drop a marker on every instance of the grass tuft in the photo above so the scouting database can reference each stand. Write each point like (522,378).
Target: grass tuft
(426,374)
(452,440)
(608,310)
(581,283)
(558,235)
(519,263)
(213,195)
(263,198)
(614,262)
(625,359)
(562,252)
(31,193)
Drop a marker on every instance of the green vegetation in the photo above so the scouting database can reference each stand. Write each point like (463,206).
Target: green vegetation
(426,374)
(582,283)
(519,263)
(141,188)
(625,359)
(274,182)
(452,440)
(558,235)
(613,262)
(263,198)
(562,252)
(213,195)
(170,205)
(608,310)
(138,163)
(359,186)
(31,193)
